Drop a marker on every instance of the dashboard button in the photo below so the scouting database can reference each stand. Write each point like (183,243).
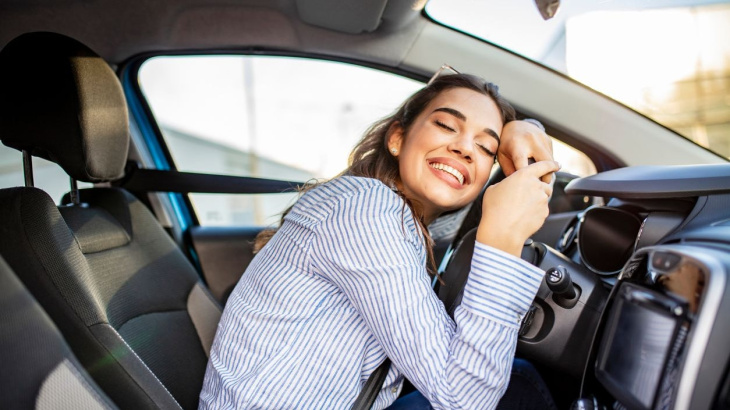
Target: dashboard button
(664,261)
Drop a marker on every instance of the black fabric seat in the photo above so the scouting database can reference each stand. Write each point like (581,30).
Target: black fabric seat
(126,299)
(38,369)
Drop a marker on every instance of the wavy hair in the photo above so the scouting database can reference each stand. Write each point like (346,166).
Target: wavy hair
(370,158)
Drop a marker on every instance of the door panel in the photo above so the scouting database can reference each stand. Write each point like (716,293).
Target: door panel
(224,254)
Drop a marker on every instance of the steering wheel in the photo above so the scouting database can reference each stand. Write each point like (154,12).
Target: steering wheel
(556,332)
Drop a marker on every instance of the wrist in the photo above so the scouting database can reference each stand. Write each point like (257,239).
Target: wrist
(503,241)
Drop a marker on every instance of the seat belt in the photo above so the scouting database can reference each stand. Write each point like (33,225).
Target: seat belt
(155,180)
(372,388)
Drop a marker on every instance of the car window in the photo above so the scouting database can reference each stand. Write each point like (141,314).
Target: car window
(663,58)
(283,118)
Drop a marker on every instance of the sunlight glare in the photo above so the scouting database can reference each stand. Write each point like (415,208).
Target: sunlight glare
(611,51)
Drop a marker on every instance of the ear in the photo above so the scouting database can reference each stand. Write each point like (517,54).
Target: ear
(395,138)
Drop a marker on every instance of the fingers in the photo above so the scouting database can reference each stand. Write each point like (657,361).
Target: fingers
(522,141)
(548,178)
(521,160)
(545,188)
(543,170)
(542,151)
(548,189)
(545,154)
(515,208)
(539,150)
(508,167)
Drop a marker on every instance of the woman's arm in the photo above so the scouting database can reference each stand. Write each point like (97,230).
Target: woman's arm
(370,248)
(520,141)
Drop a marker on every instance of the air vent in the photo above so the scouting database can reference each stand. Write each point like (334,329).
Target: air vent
(568,240)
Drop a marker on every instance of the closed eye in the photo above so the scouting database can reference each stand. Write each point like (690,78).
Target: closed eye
(444,126)
(486,150)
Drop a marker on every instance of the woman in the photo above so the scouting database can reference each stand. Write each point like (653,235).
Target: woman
(344,283)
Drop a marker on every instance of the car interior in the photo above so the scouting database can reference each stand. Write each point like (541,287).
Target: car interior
(101,264)
(41,371)
(112,292)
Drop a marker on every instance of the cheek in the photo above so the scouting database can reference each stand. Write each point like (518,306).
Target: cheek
(408,159)
(484,171)
(406,169)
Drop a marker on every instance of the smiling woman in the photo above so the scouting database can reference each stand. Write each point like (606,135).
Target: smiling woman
(344,283)
(463,122)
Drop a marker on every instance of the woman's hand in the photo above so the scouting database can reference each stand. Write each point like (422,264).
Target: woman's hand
(516,208)
(520,141)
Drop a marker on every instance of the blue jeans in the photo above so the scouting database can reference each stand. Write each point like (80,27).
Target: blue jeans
(526,391)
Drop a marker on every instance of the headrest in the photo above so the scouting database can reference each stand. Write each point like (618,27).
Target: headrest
(62,102)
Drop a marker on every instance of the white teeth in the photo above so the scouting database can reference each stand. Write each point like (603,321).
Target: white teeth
(450,170)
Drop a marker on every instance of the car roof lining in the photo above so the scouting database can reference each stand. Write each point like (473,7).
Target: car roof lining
(533,89)
(119,30)
(404,41)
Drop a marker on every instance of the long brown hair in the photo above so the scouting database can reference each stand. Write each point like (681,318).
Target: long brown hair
(370,158)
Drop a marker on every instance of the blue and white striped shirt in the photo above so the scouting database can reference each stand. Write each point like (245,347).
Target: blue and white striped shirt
(342,285)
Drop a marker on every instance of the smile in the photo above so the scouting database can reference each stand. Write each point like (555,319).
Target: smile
(450,170)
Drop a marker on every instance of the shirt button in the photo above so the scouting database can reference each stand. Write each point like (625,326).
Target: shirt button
(394,390)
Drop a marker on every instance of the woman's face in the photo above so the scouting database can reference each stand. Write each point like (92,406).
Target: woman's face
(446,157)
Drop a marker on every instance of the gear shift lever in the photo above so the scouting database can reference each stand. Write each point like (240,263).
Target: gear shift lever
(558,280)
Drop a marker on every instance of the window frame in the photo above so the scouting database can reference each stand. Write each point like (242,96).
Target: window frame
(180,206)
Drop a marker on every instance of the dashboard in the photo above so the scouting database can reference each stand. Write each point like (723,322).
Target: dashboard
(645,205)
(635,290)
(662,244)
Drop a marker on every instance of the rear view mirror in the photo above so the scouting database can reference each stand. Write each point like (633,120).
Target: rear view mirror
(547,8)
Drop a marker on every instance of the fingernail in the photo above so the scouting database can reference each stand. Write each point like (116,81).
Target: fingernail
(560,166)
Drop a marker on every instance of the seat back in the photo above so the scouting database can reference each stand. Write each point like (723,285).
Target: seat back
(38,369)
(123,294)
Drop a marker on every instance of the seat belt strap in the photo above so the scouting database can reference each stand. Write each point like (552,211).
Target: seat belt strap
(155,180)
(372,388)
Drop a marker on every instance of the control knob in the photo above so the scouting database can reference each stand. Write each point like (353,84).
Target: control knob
(559,282)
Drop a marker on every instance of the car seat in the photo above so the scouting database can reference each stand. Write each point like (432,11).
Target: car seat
(39,370)
(129,303)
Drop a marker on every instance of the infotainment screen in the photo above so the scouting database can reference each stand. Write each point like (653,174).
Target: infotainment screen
(638,337)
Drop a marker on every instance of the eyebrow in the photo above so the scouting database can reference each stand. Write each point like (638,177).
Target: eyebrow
(459,115)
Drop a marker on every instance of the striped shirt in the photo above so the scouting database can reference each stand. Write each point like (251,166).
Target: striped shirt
(342,285)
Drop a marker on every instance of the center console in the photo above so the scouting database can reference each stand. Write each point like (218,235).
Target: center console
(663,341)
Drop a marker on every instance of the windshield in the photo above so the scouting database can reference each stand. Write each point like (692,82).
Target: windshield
(668,59)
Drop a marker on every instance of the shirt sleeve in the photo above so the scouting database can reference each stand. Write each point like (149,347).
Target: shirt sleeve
(534,122)
(370,249)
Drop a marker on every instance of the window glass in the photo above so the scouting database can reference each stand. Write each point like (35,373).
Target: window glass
(269,117)
(572,160)
(667,59)
(280,118)
(46,175)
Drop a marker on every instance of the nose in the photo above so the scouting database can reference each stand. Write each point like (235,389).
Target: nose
(462,146)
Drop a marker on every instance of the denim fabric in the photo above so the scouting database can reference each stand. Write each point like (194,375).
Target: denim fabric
(526,391)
